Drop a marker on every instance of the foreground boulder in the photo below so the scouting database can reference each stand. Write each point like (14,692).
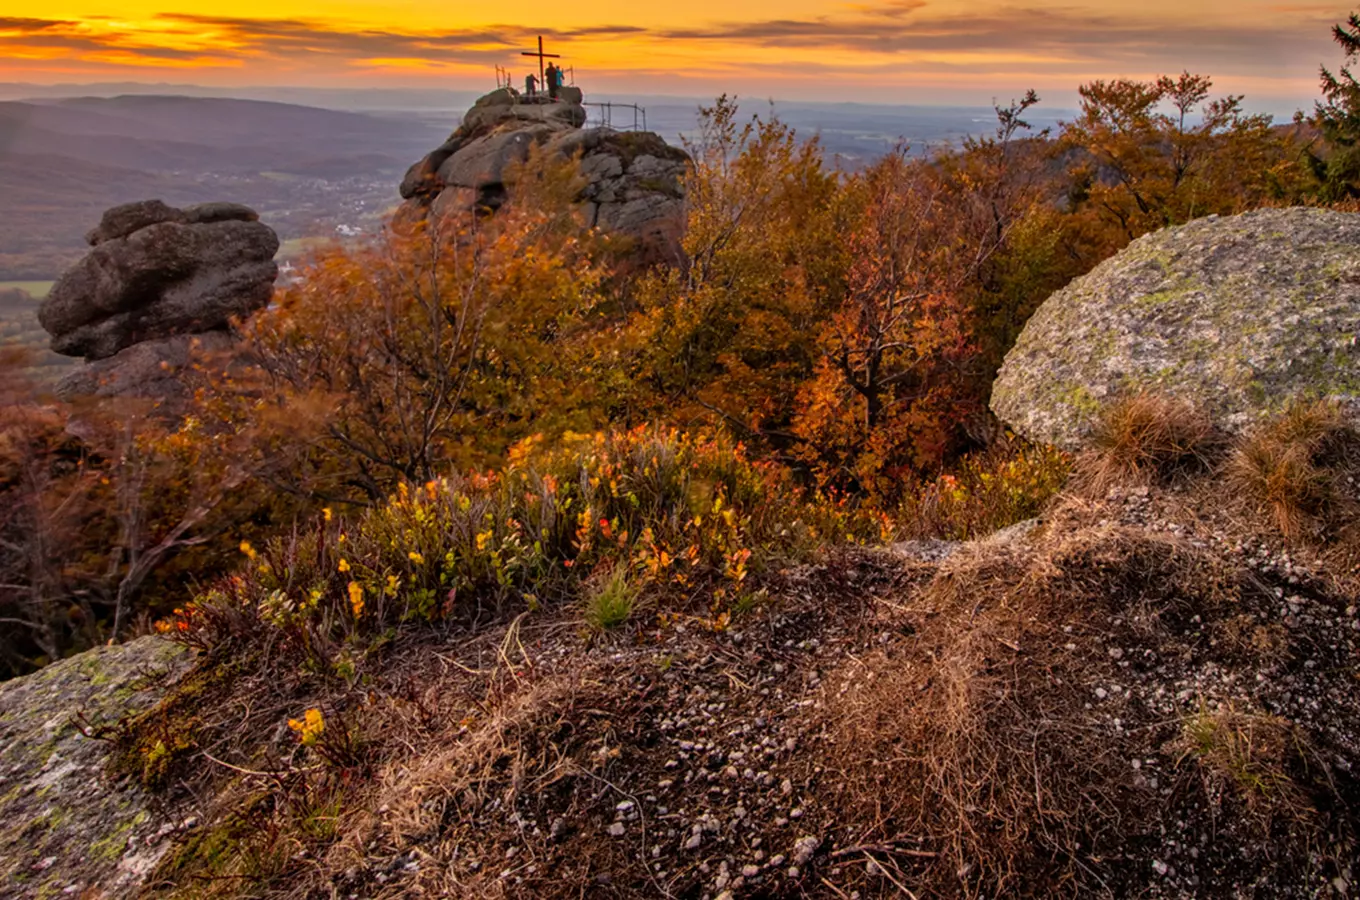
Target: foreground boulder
(68,827)
(157,275)
(1238,316)
(634,180)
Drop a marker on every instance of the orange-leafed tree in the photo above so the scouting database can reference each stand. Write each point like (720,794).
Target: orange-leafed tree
(730,337)
(887,393)
(435,348)
(1001,189)
(1155,153)
(101,530)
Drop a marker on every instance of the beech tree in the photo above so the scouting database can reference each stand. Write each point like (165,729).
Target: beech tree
(729,338)
(888,392)
(437,347)
(99,530)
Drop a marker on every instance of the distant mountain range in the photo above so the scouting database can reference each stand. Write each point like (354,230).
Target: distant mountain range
(152,133)
(307,170)
(329,166)
(348,99)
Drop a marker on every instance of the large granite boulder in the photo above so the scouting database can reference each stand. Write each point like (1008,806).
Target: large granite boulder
(1239,316)
(634,180)
(157,272)
(158,282)
(69,826)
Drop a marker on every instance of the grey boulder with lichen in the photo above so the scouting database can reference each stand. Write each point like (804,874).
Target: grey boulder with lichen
(1239,316)
(68,825)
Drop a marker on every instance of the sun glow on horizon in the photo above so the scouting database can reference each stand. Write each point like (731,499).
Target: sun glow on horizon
(816,48)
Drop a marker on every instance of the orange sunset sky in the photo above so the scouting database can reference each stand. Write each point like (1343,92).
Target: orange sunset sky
(914,51)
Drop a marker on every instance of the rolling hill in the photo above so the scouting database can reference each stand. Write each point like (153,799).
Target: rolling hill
(306,170)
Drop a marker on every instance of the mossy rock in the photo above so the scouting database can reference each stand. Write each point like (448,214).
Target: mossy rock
(66,826)
(1239,316)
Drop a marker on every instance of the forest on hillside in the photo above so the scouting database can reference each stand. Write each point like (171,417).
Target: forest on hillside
(830,340)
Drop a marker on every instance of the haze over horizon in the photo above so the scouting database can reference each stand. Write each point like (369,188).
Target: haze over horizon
(881,51)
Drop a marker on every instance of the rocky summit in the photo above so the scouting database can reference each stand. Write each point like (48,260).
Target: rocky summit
(1238,316)
(175,278)
(634,180)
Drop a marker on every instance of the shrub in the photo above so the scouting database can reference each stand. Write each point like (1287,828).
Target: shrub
(1007,483)
(1145,437)
(622,512)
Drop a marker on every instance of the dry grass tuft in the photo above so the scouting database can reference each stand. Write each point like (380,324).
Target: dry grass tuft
(985,740)
(1146,438)
(1249,753)
(1300,470)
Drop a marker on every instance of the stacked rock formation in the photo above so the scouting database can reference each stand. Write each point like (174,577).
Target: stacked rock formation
(634,188)
(159,284)
(1238,316)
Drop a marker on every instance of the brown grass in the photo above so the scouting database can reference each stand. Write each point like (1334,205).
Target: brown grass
(457,751)
(1146,438)
(986,742)
(1300,471)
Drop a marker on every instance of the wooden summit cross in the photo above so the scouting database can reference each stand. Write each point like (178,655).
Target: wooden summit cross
(541,56)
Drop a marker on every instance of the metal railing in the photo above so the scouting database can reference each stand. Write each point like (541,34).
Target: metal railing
(604,117)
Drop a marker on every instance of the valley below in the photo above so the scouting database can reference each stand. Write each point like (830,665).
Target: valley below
(310,172)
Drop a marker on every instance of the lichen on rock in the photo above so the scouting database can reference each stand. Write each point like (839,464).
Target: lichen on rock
(67,826)
(1239,316)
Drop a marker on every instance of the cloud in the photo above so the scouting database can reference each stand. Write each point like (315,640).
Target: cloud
(883,39)
(891,9)
(292,42)
(1064,32)
(25,26)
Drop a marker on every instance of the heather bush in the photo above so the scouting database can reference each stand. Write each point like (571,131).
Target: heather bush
(667,511)
(1007,483)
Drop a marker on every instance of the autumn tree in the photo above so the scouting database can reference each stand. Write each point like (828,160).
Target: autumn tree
(1151,154)
(729,337)
(887,393)
(436,347)
(99,530)
(1002,189)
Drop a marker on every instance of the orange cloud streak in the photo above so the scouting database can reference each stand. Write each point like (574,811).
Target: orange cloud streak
(829,48)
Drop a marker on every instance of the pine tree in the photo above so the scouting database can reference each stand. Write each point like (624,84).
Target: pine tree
(1338,119)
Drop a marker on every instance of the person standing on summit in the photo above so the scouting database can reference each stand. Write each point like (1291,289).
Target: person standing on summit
(554,78)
